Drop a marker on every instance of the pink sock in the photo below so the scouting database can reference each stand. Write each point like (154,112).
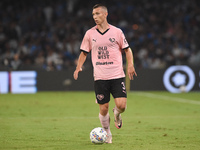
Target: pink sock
(105,122)
(117,111)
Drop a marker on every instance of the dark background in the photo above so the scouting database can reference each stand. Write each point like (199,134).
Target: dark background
(45,35)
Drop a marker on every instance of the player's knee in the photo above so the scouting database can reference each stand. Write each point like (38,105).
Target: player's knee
(103,109)
(121,104)
(121,108)
(103,112)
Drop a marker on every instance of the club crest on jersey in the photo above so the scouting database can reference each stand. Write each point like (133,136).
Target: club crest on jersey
(100,96)
(112,40)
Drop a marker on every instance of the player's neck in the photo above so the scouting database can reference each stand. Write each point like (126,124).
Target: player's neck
(103,27)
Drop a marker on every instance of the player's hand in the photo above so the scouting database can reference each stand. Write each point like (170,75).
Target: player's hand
(76,73)
(131,72)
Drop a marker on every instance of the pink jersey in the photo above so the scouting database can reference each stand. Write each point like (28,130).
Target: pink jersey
(106,51)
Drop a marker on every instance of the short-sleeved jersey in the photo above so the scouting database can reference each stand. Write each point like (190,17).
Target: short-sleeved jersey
(106,52)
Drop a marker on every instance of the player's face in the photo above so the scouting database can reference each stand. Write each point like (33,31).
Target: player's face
(99,15)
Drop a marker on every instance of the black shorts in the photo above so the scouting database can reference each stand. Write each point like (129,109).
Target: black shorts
(103,89)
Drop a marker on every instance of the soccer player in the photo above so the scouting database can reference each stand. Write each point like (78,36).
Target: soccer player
(106,43)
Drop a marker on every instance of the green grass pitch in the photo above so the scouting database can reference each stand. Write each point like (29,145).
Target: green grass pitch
(63,121)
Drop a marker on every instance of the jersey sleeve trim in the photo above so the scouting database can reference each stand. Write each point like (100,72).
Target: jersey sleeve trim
(84,51)
(125,47)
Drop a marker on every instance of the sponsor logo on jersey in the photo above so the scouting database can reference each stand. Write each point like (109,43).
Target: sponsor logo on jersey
(103,53)
(125,41)
(104,63)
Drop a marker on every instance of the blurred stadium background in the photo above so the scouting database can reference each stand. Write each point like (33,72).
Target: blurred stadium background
(45,36)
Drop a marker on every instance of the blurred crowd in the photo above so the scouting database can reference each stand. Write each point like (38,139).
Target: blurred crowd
(47,34)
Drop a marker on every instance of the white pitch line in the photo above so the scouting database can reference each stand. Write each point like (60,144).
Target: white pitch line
(168,98)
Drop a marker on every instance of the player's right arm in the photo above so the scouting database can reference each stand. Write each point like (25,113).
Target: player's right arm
(81,60)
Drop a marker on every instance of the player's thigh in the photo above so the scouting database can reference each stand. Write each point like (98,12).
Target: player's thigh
(102,91)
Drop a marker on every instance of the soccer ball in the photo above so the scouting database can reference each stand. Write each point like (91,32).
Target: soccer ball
(98,135)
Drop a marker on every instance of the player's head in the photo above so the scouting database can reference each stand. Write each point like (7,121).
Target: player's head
(100,13)
(101,6)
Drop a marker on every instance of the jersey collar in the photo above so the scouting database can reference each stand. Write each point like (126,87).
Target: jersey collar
(102,33)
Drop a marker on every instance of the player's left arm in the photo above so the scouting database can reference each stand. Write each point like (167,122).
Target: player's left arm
(131,69)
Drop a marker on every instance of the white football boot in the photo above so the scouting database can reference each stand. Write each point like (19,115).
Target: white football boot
(109,138)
